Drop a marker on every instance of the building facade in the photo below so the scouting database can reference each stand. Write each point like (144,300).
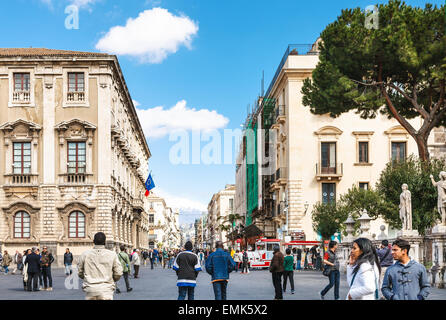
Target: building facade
(219,208)
(73,153)
(315,158)
(164,228)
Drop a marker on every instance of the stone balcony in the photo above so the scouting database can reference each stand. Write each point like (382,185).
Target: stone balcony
(21,97)
(78,96)
(330,172)
(76,178)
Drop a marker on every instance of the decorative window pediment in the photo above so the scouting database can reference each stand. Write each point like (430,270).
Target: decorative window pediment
(20,130)
(75,129)
(328,131)
(64,214)
(16,207)
(397,131)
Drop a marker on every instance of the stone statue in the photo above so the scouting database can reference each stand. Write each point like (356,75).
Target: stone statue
(406,207)
(441,189)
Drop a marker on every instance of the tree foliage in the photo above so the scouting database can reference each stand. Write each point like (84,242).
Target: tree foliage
(398,69)
(415,173)
(328,219)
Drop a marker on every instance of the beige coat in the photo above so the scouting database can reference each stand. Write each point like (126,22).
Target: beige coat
(99,268)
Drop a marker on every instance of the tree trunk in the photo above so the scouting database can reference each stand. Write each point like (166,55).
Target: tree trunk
(423,152)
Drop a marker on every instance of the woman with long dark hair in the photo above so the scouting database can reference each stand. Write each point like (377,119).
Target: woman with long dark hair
(363,271)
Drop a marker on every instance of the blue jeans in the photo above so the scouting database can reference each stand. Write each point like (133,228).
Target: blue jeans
(220,289)
(298,265)
(6,268)
(68,269)
(334,281)
(182,291)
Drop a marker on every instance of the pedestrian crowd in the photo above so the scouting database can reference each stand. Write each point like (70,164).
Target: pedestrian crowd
(372,273)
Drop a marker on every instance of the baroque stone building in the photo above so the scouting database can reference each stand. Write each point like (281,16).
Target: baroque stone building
(74,157)
(164,228)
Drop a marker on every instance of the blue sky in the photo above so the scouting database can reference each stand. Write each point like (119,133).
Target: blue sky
(212,60)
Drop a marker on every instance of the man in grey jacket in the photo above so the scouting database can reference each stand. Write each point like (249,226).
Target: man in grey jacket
(406,279)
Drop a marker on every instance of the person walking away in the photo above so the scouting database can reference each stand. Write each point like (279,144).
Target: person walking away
(25,269)
(33,269)
(160,258)
(125,263)
(100,269)
(151,258)
(1,261)
(276,268)
(306,252)
(332,261)
(363,271)
(68,261)
(219,264)
(144,257)
(318,259)
(288,272)
(136,261)
(18,261)
(406,279)
(155,253)
(7,259)
(236,260)
(165,258)
(245,257)
(187,266)
(299,259)
(201,257)
(232,253)
(46,261)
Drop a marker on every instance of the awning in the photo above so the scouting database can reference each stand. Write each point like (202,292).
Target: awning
(252,231)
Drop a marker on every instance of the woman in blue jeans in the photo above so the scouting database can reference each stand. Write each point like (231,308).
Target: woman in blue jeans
(331,260)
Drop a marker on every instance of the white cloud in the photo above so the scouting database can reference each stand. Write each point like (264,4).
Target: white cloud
(158,122)
(181,203)
(150,37)
(136,103)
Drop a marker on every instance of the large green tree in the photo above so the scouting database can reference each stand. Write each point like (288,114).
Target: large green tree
(328,218)
(415,174)
(398,69)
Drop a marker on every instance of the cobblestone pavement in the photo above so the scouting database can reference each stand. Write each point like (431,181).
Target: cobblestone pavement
(160,284)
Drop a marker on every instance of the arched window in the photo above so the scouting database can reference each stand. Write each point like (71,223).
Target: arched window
(22,224)
(76,225)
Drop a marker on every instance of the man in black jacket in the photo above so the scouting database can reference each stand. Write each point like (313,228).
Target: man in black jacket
(46,261)
(187,266)
(33,262)
(68,261)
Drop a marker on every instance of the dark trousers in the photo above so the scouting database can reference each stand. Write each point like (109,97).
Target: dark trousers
(277,277)
(220,289)
(40,277)
(151,263)
(182,291)
(47,279)
(33,278)
(126,279)
(236,266)
(334,281)
(288,275)
(136,269)
(245,267)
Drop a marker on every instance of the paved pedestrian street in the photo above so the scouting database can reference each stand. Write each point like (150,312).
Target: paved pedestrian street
(160,284)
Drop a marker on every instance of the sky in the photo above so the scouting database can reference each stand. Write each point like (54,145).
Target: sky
(192,68)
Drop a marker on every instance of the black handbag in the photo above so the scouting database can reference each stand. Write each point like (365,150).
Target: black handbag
(327,270)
